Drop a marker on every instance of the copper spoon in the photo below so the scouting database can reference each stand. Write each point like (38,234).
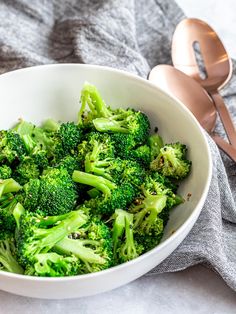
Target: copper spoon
(194,97)
(217,66)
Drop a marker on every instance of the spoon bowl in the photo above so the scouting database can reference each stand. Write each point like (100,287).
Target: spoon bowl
(188,91)
(192,38)
(198,52)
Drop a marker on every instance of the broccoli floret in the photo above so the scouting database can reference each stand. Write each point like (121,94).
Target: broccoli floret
(172,162)
(126,121)
(70,135)
(5,172)
(52,264)
(27,169)
(151,240)
(9,186)
(70,163)
(37,141)
(7,221)
(65,141)
(105,119)
(12,148)
(91,97)
(142,155)
(31,194)
(124,246)
(8,261)
(123,144)
(100,155)
(173,186)
(113,196)
(155,143)
(92,245)
(151,211)
(37,234)
(101,161)
(54,193)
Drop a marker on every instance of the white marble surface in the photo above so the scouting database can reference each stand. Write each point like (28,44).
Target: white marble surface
(196,290)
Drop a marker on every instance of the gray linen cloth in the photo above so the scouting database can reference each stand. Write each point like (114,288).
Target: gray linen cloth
(133,35)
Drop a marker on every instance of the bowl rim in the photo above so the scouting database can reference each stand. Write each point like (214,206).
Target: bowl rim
(193,216)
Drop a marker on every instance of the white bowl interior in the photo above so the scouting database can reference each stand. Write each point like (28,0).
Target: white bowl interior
(38,93)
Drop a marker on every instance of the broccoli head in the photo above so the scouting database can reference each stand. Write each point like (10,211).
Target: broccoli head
(7,221)
(105,119)
(70,135)
(51,264)
(37,234)
(27,169)
(54,193)
(12,148)
(172,161)
(8,261)
(91,244)
(112,196)
(5,172)
(128,121)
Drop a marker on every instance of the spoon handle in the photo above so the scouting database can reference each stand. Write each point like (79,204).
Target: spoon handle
(225,117)
(226,147)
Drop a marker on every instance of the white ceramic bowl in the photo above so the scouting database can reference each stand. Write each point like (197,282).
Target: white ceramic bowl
(53,91)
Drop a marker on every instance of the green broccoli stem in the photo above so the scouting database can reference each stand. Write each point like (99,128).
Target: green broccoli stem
(50,125)
(109,124)
(7,260)
(9,186)
(156,143)
(123,223)
(118,229)
(78,248)
(71,223)
(102,184)
(29,142)
(128,250)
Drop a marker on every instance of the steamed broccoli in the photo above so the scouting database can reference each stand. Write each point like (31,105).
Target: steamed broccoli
(8,261)
(112,197)
(155,142)
(54,193)
(151,211)
(35,138)
(5,172)
(80,198)
(126,121)
(142,155)
(70,163)
(7,222)
(51,264)
(70,135)
(91,244)
(12,148)
(9,186)
(99,155)
(27,169)
(105,119)
(172,161)
(37,234)
(124,246)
